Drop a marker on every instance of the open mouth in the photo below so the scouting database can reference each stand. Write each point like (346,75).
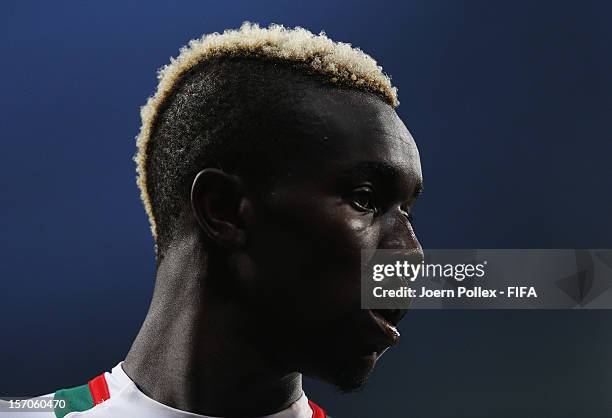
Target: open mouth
(387,320)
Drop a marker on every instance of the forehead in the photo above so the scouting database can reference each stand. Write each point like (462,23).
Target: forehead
(349,127)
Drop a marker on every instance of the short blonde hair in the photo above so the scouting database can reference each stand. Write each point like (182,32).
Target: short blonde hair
(339,62)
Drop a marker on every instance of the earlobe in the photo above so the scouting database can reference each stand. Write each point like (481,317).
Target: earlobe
(216,201)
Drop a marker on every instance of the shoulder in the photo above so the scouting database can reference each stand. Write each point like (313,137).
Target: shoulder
(75,400)
(81,398)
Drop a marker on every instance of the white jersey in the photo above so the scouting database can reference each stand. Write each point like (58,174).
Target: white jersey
(115,395)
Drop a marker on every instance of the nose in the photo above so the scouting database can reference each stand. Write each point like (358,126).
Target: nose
(397,233)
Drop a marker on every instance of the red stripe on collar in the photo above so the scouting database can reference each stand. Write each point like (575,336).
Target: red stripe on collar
(98,389)
(317,411)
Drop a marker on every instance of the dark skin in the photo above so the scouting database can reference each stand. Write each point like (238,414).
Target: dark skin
(262,287)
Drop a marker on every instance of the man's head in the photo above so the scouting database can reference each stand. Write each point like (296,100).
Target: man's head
(282,152)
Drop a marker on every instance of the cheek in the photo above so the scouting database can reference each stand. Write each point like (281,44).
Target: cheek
(328,228)
(308,260)
(345,232)
(329,259)
(312,251)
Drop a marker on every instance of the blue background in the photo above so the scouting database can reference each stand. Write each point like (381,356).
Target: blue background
(510,103)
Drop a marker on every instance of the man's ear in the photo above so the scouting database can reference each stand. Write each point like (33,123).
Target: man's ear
(216,197)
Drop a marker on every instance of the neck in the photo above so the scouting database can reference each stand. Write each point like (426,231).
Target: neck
(190,353)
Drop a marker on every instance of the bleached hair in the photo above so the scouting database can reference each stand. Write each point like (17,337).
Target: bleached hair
(337,61)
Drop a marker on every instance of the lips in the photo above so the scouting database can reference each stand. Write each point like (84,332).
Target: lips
(387,320)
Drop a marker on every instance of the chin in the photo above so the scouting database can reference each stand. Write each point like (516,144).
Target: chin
(349,374)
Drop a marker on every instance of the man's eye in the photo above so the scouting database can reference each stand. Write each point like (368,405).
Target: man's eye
(363,199)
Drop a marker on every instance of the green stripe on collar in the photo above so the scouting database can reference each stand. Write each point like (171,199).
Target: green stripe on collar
(76,399)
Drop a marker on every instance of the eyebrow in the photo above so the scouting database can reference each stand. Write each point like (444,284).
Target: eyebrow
(383,173)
